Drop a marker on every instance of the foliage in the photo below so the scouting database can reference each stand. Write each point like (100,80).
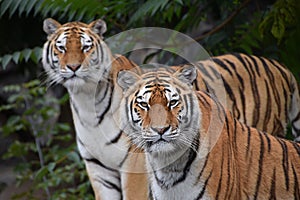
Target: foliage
(268,28)
(34,54)
(280,18)
(277,21)
(49,158)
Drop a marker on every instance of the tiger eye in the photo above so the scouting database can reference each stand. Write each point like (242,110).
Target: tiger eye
(173,102)
(144,104)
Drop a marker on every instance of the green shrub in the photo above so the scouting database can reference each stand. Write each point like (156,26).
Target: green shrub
(49,158)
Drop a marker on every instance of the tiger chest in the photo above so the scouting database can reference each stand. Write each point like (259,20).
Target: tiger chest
(103,140)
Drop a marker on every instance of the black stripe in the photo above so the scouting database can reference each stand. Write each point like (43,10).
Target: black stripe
(285,162)
(286,104)
(191,158)
(227,126)
(272,82)
(241,80)
(260,166)
(185,118)
(209,88)
(48,51)
(203,100)
(101,116)
(283,73)
(101,49)
(296,184)
(111,185)
(297,147)
(228,169)
(296,118)
(222,64)
(268,107)
(204,71)
(115,139)
(202,170)
(253,59)
(204,187)
(131,112)
(256,95)
(273,186)
(268,140)
(132,64)
(107,86)
(243,109)
(215,72)
(235,111)
(221,176)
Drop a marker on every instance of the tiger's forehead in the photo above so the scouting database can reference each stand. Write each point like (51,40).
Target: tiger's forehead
(74,31)
(71,32)
(156,89)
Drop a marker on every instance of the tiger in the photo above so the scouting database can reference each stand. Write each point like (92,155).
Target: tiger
(76,56)
(196,149)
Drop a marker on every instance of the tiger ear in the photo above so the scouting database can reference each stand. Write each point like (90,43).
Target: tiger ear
(187,73)
(98,26)
(50,26)
(126,79)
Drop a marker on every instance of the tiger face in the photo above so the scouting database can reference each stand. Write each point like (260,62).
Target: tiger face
(156,109)
(75,53)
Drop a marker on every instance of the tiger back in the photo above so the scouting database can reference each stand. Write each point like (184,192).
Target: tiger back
(260,92)
(177,127)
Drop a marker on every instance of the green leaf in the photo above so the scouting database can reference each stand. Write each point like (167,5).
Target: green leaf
(51,166)
(16,56)
(37,7)
(42,172)
(12,88)
(32,83)
(7,107)
(26,53)
(73,156)
(5,60)
(30,5)
(64,127)
(278,28)
(150,6)
(4,6)
(16,149)
(179,1)
(38,51)
(22,7)
(14,7)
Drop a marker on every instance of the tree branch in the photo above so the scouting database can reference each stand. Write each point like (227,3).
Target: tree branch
(224,23)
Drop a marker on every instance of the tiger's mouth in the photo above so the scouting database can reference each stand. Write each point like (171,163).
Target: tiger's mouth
(152,137)
(74,80)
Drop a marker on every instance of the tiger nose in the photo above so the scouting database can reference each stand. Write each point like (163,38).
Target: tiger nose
(161,131)
(74,67)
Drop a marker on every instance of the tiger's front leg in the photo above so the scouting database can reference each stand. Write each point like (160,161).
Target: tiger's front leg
(135,186)
(134,176)
(106,182)
(109,184)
